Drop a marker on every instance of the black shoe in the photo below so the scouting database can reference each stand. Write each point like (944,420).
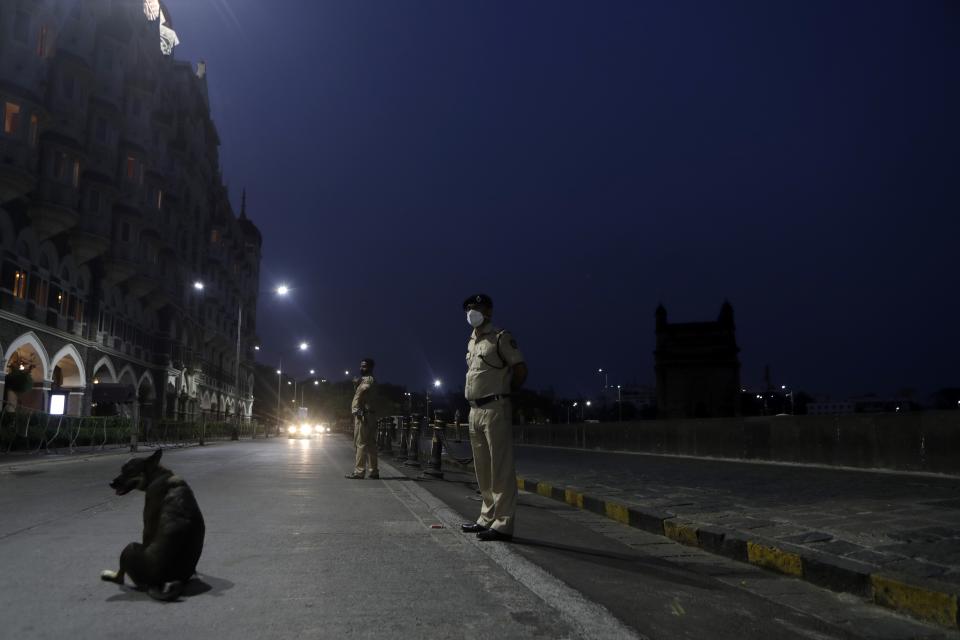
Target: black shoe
(354,476)
(472,527)
(493,534)
(374,475)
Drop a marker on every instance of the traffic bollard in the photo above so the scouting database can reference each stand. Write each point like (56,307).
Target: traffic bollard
(413,452)
(388,436)
(435,466)
(401,455)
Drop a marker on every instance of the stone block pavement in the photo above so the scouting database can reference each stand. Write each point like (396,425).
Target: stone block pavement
(903,526)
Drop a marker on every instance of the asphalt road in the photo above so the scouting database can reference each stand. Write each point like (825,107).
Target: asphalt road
(295,550)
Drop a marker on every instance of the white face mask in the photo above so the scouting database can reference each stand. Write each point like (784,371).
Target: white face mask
(474,318)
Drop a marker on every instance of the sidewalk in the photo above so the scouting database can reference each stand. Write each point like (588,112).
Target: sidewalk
(892,536)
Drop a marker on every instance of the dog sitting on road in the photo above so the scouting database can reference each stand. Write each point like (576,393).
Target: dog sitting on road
(173,530)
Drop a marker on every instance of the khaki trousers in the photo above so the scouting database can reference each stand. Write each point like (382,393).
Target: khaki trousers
(365,440)
(491,436)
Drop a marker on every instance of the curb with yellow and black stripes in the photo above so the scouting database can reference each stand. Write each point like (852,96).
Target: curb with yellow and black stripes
(921,598)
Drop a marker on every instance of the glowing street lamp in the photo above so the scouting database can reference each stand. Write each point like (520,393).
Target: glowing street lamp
(604,375)
(436,385)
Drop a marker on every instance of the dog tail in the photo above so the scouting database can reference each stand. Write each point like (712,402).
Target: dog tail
(170,591)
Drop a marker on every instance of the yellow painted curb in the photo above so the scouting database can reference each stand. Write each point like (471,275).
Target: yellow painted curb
(573,498)
(545,489)
(519,483)
(681,532)
(773,558)
(932,606)
(617,512)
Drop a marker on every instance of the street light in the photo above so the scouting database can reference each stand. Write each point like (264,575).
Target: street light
(606,380)
(280,290)
(303,346)
(436,385)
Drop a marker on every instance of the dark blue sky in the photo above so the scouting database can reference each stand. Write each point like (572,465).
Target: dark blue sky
(583,161)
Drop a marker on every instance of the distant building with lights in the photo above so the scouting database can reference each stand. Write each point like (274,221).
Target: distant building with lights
(111,205)
(697,367)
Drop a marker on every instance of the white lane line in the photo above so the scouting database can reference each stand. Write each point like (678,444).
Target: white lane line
(591,620)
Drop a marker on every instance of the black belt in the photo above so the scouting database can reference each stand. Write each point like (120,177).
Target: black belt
(479,402)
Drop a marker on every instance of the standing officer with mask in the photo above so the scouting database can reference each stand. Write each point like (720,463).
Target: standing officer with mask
(495,368)
(364,428)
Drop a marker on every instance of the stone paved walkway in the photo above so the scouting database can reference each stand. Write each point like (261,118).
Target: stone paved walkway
(908,523)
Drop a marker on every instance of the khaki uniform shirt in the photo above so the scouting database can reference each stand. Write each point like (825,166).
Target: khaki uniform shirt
(362,396)
(489,372)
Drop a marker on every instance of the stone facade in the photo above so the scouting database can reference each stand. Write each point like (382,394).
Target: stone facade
(112,206)
(697,367)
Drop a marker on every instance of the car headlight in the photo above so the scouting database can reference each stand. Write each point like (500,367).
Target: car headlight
(305,429)
(292,429)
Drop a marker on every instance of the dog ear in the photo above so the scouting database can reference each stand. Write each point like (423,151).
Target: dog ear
(155,458)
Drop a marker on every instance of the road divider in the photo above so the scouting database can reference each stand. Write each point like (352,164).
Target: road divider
(925,599)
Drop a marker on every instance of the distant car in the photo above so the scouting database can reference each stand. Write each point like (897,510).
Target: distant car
(306,430)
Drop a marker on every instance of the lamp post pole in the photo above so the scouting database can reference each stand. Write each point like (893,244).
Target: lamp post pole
(279,382)
(236,373)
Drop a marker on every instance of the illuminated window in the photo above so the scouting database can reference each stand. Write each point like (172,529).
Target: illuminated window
(159,198)
(76,172)
(34,129)
(39,291)
(215,236)
(20,284)
(75,309)
(58,403)
(11,118)
(42,41)
(131,167)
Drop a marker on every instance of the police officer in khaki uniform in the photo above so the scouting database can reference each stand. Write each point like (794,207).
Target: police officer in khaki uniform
(495,368)
(364,428)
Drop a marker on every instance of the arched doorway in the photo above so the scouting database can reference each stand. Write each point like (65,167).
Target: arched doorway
(27,367)
(69,382)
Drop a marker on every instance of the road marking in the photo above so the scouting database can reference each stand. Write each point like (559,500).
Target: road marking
(591,620)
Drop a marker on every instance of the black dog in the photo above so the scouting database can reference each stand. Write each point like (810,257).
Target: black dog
(172,530)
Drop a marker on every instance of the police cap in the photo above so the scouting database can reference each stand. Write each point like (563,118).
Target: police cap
(369,362)
(481,299)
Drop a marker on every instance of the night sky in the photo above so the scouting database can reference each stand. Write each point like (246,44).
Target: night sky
(583,161)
